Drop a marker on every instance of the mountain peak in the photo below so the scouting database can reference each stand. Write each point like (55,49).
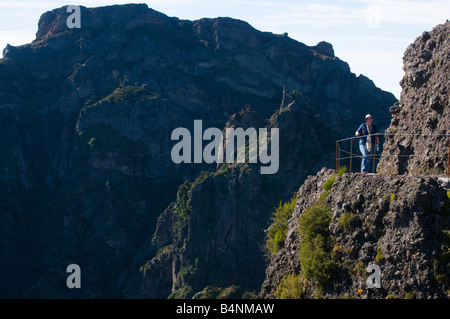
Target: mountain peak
(96,19)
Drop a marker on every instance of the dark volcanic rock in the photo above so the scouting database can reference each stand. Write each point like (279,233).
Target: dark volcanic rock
(214,232)
(86,122)
(398,222)
(417,142)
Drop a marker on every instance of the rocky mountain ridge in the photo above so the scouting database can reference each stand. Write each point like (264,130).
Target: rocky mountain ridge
(86,117)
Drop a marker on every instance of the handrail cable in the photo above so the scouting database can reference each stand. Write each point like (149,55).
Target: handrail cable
(376,156)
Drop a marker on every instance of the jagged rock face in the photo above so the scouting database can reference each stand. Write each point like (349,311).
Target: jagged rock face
(397,222)
(423,109)
(213,235)
(86,120)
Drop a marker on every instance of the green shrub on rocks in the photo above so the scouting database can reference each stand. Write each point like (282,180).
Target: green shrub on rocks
(316,244)
(329,183)
(290,287)
(278,229)
(128,93)
(345,221)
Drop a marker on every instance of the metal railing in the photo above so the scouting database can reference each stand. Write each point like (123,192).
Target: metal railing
(345,153)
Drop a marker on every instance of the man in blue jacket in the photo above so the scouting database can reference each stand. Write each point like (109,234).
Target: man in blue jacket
(368,141)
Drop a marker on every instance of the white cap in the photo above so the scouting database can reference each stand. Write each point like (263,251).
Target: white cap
(368,115)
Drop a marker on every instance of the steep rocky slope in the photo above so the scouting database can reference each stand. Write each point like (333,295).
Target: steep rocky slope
(422,109)
(213,234)
(399,222)
(86,117)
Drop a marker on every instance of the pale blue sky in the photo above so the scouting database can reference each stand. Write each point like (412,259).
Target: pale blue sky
(371,35)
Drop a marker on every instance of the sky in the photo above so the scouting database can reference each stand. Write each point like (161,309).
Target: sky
(370,35)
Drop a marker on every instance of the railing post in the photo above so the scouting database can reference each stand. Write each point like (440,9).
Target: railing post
(339,159)
(374,153)
(336,156)
(351,155)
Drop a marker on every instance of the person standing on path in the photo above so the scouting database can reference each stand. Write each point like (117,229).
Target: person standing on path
(368,141)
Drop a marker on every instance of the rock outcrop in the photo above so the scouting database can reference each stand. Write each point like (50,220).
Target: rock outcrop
(399,223)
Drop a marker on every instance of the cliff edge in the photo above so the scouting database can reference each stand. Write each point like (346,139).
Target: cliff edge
(384,235)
